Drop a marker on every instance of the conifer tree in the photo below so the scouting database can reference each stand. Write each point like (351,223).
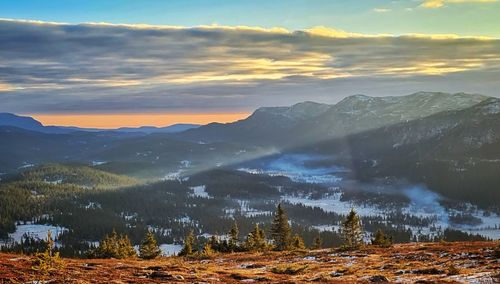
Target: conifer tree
(256,240)
(115,246)
(214,243)
(298,242)
(125,247)
(280,230)
(44,262)
(207,250)
(317,242)
(381,239)
(352,231)
(187,250)
(149,248)
(234,237)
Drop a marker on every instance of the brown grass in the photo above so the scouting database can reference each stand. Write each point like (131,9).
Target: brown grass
(438,262)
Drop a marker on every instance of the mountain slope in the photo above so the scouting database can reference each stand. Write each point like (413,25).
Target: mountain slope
(24,122)
(264,126)
(78,175)
(311,122)
(456,153)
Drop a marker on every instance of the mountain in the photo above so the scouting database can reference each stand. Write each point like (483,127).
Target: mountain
(25,122)
(265,125)
(174,128)
(455,153)
(29,123)
(309,122)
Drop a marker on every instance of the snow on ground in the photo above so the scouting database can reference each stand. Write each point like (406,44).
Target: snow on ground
(97,163)
(332,203)
(170,249)
(55,182)
(248,211)
(26,165)
(199,191)
(424,203)
(36,231)
(173,175)
(297,168)
(185,163)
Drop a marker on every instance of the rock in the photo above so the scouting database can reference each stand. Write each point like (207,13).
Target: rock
(161,275)
(154,268)
(428,271)
(378,278)
(178,277)
(251,265)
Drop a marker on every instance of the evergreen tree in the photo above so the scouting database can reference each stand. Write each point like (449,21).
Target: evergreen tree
(298,242)
(214,243)
(317,242)
(44,262)
(115,246)
(280,230)
(149,248)
(256,240)
(125,247)
(352,232)
(187,250)
(234,237)
(380,239)
(207,250)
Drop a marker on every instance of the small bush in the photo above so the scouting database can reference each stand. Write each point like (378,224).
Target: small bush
(453,270)
(291,269)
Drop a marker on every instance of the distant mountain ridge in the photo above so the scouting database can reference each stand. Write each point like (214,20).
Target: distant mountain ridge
(29,123)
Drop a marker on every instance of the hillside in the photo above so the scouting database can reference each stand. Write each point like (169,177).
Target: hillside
(474,262)
(80,176)
(310,122)
(456,153)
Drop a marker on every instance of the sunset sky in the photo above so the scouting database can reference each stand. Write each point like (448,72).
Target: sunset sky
(127,63)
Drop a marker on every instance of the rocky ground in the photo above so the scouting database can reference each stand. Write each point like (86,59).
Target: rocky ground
(473,262)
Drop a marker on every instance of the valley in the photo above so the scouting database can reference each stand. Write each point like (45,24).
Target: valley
(418,176)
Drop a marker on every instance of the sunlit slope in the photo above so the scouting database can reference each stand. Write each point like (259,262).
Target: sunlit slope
(81,176)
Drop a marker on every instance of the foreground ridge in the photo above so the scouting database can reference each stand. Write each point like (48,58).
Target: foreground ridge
(461,262)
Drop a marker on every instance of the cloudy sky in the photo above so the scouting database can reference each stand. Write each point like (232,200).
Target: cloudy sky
(95,63)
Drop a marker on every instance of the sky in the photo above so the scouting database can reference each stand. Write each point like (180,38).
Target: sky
(109,63)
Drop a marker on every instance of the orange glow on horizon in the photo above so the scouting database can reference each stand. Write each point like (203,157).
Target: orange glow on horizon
(116,120)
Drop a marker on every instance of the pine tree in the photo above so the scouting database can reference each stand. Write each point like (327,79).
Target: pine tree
(44,262)
(380,239)
(187,250)
(234,237)
(207,250)
(352,231)
(256,240)
(125,247)
(149,248)
(298,243)
(280,230)
(214,243)
(115,246)
(317,242)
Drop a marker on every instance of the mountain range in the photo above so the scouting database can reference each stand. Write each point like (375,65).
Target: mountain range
(450,142)
(29,123)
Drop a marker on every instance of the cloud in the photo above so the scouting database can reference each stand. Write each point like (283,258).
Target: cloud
(381,10)
(54,67)
(6,87)
(440,3)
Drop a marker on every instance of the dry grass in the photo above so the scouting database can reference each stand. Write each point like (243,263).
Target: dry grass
(438,262)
